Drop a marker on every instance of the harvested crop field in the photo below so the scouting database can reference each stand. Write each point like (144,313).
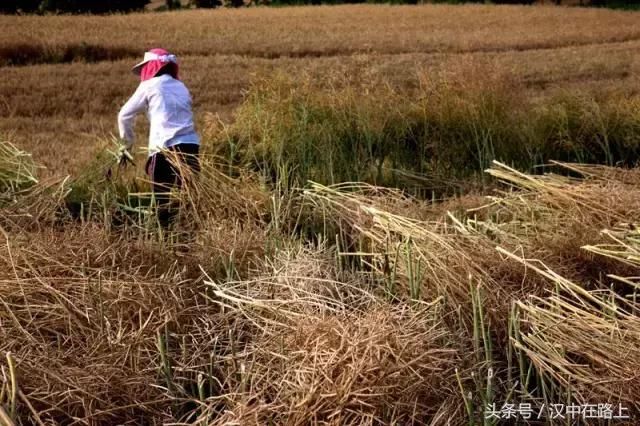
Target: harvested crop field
(405,215)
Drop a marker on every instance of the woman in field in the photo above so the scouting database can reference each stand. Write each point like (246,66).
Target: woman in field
(173,142)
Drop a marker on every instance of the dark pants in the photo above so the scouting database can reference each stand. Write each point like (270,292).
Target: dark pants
(166,175)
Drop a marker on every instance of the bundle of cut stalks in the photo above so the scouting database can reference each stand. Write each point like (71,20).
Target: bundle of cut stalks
(551,217)
(601,194)
(583,344)
(574,338)
(417,258)
(581,337)
(25,201)
(17,170)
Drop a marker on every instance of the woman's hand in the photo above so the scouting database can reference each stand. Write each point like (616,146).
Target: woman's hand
(123,155)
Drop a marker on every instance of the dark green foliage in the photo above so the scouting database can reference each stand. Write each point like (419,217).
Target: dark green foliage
(207,4)
(72,6)
(617,4)
(513,1)
(13,6)
(93,6)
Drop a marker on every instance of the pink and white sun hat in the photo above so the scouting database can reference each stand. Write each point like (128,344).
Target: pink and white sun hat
(154,60)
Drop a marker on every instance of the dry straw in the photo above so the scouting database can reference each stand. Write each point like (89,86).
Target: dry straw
(397,311)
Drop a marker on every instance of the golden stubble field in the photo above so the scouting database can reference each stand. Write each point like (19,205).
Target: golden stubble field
(59,111)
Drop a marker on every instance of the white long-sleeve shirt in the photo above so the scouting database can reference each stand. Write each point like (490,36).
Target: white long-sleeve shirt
(168,105)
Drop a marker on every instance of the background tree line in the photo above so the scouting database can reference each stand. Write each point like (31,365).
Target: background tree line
(114,6)
(71,6)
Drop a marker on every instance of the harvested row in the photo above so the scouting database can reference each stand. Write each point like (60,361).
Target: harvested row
(394,310)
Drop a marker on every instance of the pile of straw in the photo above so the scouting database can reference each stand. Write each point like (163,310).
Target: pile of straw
(329,352)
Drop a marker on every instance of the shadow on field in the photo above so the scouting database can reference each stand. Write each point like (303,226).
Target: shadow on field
(30,54)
